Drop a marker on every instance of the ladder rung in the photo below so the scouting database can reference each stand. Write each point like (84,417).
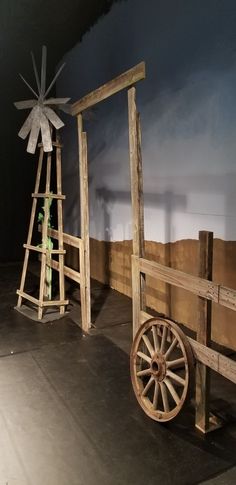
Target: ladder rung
(49,196)
(55,303)
(28,297)
(43,250)
(54,144)
(42,303)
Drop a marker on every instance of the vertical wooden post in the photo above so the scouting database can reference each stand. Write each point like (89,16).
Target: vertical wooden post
(60,228)
(137,204)
(204,334)
(84,217)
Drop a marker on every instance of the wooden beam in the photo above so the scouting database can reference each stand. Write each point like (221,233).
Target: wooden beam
(204,333)
(227,297)
(67,238)
(213,359)
(84,217)
(212,291)
(121,82)
(136,179)
(194,284)
(31,226)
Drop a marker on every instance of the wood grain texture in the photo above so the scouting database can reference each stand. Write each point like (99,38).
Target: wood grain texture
(31,227)
(204,333)
(111,264)
(121,82)
(213,359)
(84,217)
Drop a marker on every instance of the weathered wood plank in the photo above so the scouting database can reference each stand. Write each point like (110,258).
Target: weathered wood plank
(55,303)
(38,249)
(48,196)
(60,229)
(69,272)
(31,226)
(213,359)
(74,241)
(46,133)
(84,217)
(28,103)
(136,295)
(204,333)
(227,297)
(24,295)
(52,116)
(194,284)
(117,84)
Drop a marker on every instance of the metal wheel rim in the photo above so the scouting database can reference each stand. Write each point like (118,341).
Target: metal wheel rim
(161,384)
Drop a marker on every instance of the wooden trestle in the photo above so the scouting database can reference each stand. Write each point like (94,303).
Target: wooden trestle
(45,252)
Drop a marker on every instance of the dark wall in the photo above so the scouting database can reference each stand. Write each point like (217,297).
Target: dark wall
(26,25)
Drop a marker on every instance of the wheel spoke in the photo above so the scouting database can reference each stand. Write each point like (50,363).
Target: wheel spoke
(164,397)
(148,385)
(144,372)
(175,377)
(155,339)
(175,363)
(156,393)
(172,391)
(163,339)
(171,348)
(148,344)
(144,357)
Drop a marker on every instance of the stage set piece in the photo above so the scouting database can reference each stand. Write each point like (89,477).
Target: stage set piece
(162,357)
(43,119)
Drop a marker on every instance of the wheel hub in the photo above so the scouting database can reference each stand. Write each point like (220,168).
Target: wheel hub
(158,367)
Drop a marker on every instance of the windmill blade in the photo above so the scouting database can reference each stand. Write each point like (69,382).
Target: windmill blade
(29,103)
(35,72)
(66,108)
(46,133)
(54,79)
(34,133)
(56,101)
(52,116)
(26,127)
(27,84)
(43,70)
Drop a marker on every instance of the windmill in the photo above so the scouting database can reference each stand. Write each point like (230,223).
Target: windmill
(42,118)
(41,114)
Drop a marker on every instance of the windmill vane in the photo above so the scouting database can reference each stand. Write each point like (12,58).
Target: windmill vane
(41,114)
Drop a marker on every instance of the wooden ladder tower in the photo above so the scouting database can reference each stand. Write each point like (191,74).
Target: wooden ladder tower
(46,253)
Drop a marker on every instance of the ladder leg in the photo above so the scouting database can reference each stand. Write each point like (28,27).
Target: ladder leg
(42,287)
(31,227)
(60,230)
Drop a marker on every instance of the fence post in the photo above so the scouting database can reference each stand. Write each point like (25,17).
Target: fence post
(204,333)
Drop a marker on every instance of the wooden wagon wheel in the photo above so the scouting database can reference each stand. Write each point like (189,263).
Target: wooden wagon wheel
(161,365)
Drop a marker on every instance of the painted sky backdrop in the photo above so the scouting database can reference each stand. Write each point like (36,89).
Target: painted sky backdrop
(188,115)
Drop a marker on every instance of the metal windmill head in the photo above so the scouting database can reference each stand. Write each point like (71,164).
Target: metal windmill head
(41,116)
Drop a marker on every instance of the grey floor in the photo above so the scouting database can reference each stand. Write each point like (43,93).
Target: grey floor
(68,415)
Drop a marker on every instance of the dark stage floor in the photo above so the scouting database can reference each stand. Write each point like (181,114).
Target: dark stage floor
(68,415)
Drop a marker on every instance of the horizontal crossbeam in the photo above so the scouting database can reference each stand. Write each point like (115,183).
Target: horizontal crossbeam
(128,78)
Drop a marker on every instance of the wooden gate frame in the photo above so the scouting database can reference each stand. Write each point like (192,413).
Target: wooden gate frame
(125,80)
